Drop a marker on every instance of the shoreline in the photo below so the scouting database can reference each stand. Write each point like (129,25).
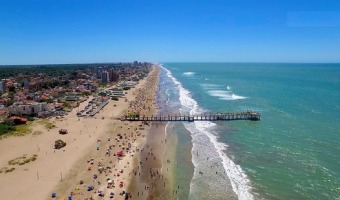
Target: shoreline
(148,182)
(155,166)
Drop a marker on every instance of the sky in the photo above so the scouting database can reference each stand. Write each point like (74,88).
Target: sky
(97,31)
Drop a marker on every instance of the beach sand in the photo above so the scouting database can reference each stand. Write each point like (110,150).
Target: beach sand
(150,182)
(88,156)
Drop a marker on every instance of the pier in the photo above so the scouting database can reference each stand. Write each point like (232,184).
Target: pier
(249,115)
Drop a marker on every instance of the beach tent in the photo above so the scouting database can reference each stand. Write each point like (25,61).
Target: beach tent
(120,153)
(100,193)
(90,187)
(111,195)
(53,195)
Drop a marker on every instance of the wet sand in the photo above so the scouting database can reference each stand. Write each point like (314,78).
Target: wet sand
(151,183)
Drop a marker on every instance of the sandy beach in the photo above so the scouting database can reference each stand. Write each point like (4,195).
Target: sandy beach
(91,156)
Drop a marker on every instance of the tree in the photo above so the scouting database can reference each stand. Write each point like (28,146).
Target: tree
(11,88)
(10,102)
(114,98)
(85,93)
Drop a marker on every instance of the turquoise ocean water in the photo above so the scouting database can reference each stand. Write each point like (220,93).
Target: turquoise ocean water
(292,153)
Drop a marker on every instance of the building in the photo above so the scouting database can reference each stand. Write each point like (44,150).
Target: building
(99,72)
(113,75)
(26,83)
(105,77)
(31,109)
(129,84)
(115,92)
(2,86)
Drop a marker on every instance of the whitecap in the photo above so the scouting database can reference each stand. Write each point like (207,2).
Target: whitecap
(225,95)
(209,86)
(189,73)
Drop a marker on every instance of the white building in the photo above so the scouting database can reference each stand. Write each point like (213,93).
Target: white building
(115,92)
(19,108)
(105,77)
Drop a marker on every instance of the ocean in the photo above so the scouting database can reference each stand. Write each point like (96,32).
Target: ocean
(293,152)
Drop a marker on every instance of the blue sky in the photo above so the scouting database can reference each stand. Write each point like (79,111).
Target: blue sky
(83,31)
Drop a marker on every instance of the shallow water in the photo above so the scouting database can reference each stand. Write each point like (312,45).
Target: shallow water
(292,153)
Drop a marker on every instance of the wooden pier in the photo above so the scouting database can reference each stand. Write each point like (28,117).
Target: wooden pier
(249,115)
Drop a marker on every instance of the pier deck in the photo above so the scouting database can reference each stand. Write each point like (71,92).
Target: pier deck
(253,116)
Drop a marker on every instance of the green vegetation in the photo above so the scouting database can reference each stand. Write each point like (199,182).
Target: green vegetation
(115,98)
(46,123)
(47,100)
(10,102)
(30,118)
(49,70)
(23,129)
(37,132)
(6,127)
(133,114)
(22,160)
(103,84)
(49,125)
(86,93)
(6,170)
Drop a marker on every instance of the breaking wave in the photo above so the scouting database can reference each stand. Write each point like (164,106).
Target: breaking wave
(189,73)
(203,131)
(225,95)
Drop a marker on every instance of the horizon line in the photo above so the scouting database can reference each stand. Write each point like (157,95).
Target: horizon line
(125,62)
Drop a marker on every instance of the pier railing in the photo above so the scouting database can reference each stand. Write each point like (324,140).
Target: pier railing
(249,115)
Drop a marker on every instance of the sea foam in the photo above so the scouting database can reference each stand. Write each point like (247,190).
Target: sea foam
(189,73)
(239,181)
(225,95)
(215,90)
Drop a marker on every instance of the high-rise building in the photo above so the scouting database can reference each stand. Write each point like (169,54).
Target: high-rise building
(113,75)
(105,77)
(99,72)
(26,83)
(2,86)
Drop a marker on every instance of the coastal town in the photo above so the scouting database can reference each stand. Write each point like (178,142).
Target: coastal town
(44,91)
(83,151)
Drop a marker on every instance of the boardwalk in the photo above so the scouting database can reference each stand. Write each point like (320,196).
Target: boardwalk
(253,116)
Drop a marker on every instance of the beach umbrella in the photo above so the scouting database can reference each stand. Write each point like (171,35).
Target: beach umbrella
(89,188)
(109,181)
(53,195)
